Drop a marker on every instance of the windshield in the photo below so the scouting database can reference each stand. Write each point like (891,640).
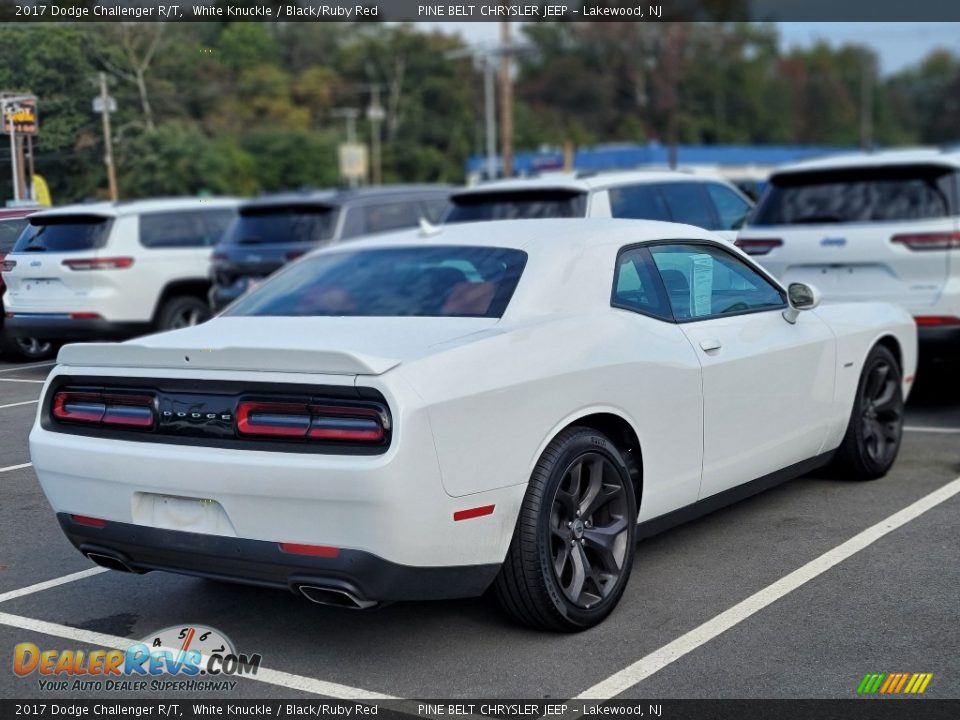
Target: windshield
(518,205)
(873,194)
(392,282)
(64,233)
(293,224)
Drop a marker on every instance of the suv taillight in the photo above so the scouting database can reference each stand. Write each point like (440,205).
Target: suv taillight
(758,246)
(338,423)
(105,408)
(114,263)
(929,241)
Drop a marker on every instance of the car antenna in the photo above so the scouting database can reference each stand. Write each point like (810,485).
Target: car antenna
(428,229)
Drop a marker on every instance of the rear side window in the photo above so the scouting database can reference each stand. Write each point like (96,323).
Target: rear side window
(194,228)
(519,205)
(9,232)
(64,233)
(638,202)
(688,203)
(392,282)
(276,224)
(731,208)
(636,286)
(876,194)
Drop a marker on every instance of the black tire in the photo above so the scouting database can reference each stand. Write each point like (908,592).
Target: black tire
(182,311)
(601,536)
(872,441)
(27,349)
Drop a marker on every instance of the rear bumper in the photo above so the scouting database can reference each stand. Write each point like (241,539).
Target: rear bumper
(256,562)
(60,326)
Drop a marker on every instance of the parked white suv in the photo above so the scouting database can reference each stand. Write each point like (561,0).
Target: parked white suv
(708,202)
(113,270)
(883,226)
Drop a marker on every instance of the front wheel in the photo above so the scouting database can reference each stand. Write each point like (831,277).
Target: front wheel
(872,442)
(573,545)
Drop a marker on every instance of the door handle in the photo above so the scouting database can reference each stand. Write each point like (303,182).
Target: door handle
(710,345)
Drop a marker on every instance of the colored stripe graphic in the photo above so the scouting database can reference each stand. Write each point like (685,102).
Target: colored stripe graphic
(894,683)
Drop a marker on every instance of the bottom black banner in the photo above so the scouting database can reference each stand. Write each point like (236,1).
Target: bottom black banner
(860,709)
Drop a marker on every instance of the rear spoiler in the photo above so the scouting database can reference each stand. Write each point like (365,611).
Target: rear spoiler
(321,362)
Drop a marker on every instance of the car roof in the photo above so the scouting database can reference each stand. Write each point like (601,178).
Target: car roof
(586,182)
(138,207)
(336,197)
(904,156)
(552,235)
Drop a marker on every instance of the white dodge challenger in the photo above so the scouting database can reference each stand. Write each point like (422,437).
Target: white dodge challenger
(430,414)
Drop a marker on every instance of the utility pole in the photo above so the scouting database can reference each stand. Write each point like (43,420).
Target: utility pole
(866,102)
(506,100)
(376,115)
(107,138)
(490,115)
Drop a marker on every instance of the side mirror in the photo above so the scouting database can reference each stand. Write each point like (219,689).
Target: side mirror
(801,297)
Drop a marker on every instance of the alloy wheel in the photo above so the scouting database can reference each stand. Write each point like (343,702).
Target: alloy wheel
(882,412)
(589,530)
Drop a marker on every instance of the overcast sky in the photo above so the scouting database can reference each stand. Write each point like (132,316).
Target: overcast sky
(898,44)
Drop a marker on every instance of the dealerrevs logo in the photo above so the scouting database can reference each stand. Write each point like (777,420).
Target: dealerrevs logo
(172,659)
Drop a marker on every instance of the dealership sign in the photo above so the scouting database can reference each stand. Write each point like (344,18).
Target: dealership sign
(20,113)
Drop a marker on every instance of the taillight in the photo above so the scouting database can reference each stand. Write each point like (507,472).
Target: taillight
(929,241)
(89,521)
(219,257)
(341,423)
(104,408)
(7,265)
(85,316)
(114,263)
(758,246)
(936,320)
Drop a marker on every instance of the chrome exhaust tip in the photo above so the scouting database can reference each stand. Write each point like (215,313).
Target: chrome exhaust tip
(335,597)
(110,562)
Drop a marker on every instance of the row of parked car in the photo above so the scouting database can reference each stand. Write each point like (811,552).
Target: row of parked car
(873,226)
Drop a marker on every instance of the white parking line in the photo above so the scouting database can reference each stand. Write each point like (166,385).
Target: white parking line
(919,429)
(25,402)
(15,467)
(264,675)
(47,584)
(22,380)
(18,368)
(673,651)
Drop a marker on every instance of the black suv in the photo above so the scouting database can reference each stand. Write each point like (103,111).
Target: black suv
(275,229)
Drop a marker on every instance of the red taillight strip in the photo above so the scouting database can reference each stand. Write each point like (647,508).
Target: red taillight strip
(85,316)
(313,550)
(88,521)
(936,320)
(112,263)
(928,241)
(473,512)
(314,422)
(104,409)
(758,246)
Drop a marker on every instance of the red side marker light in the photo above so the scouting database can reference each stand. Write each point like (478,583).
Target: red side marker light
(937,320)
(313,550)
(88,521)
(473,512)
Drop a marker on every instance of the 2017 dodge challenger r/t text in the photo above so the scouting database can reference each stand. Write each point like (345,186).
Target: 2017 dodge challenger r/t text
(428,414)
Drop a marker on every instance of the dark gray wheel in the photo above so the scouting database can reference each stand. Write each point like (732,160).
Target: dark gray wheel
(27,349)
(572,549)
(181,312)
(873,436)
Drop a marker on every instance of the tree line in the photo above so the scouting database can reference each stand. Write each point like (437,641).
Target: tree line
(242,108)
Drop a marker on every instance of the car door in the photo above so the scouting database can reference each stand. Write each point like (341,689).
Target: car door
(767,384)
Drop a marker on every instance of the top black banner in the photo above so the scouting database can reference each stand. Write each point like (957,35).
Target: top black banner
(446,11)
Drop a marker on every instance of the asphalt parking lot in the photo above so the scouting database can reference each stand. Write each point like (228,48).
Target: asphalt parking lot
(683,629)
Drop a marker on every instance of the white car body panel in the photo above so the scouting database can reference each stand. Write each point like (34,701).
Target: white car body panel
(475,401)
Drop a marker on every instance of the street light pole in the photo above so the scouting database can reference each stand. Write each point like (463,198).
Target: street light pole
(13,156)
(506,100)
(490,115)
